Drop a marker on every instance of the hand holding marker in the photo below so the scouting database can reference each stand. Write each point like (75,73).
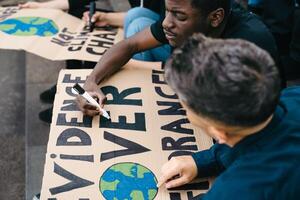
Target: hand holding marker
(77,89)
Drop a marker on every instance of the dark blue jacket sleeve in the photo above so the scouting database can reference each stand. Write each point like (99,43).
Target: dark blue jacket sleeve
(210,162)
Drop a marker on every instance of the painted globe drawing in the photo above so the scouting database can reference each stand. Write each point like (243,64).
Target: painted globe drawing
(29,26)
(128,181)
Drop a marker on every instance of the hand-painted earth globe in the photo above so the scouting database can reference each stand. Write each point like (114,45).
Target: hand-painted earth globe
(29,26)
(128,181)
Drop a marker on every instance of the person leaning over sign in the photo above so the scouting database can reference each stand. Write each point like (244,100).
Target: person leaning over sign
(133,21)
(231,89)
(183,18)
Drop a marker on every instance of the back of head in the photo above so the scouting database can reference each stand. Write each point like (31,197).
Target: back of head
(207,6)
(230,81)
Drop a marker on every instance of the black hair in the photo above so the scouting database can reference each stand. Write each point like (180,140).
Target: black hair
(230,81)
(207,6)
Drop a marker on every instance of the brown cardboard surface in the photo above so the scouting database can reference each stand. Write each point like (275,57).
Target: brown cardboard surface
(70,38)
(146,128)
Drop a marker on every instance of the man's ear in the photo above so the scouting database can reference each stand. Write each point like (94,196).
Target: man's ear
(216,17)
(219,134)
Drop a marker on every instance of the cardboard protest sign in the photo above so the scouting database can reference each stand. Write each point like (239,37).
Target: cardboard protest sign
(95,158)
(53,34)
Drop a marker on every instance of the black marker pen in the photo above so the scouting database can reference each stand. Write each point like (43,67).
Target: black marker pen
(91,13)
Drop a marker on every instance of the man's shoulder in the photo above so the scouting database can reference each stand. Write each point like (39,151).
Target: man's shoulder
(247,23)
(248,26)
(248,182)
(290,99)
(290,102)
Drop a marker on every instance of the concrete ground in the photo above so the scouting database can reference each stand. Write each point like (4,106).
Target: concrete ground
(23,137)
(12,124)
(41,74)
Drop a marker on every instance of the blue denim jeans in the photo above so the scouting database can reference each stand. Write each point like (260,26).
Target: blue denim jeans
(136,20)
(254,3)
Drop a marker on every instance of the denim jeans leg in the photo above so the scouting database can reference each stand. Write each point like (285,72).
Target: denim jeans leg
(136,13)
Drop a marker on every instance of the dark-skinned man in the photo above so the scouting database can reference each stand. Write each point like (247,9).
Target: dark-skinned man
(213,18)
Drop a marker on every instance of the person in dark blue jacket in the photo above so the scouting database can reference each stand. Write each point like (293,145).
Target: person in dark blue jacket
(231,89)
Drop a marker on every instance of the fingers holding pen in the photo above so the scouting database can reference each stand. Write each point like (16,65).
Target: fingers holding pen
(99,18)
(87,108)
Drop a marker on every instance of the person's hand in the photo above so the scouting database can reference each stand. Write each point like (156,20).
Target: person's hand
(99,18)
(85,106)
(178,171)
(30,5)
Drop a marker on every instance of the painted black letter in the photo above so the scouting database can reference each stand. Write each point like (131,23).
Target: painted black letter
(61,121)
(175,108)
(84,138)
(75,181)
(87,158)
(119,98)
(138,125)
(164,95)
(156,77)
(130,147)
(67,79)
(176,127)
(169,144)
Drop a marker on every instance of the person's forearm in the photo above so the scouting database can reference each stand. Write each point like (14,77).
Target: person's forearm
(112,61)
(119,54)
(115,19)
(56,4)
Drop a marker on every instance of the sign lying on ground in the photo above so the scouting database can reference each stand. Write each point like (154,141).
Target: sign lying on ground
(95,158)
(53,34)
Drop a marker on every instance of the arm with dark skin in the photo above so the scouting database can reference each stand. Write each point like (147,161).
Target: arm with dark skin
(106,19)
(112,61)
(56,4)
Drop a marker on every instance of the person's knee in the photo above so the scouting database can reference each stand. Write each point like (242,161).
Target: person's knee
(138,25)
(135,13)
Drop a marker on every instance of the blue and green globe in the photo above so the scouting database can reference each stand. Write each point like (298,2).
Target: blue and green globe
(29,26)
(128,181)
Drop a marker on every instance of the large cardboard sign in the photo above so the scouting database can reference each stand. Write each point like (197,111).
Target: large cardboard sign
(53,34)
(95,158)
